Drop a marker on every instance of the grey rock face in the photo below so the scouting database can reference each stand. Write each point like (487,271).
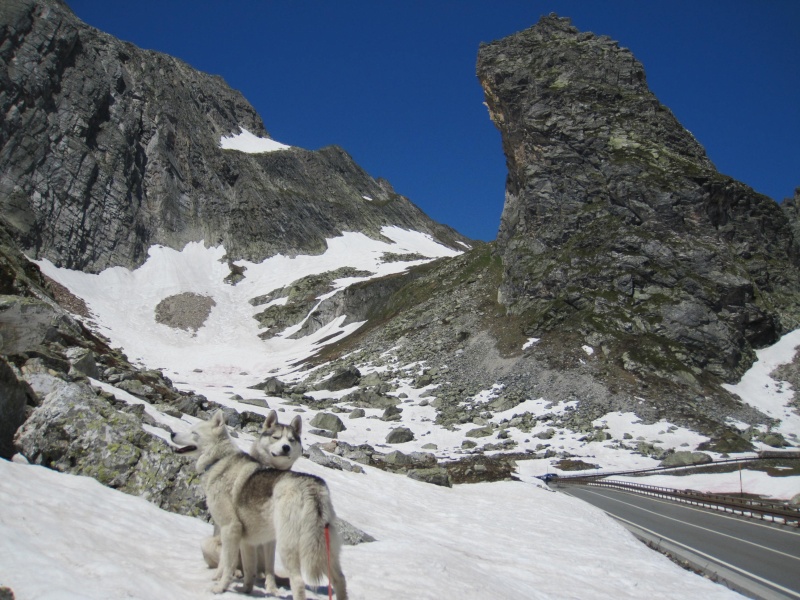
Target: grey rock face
(76,431)
(616,222)
(107,149)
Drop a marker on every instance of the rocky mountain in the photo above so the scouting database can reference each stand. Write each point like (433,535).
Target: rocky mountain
(628,276)
(617,226)
(107,149)
(619,234)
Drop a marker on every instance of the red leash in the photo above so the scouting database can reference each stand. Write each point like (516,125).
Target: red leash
(328,548)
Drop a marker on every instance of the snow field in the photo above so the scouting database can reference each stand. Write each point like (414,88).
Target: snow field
(498,540)
(68,537)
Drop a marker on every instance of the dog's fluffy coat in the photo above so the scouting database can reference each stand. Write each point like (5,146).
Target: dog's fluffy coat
(277,446)
(254,506)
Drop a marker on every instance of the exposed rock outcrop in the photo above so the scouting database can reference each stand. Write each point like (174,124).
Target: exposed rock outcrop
(107,149)
(616,224)
(76,431)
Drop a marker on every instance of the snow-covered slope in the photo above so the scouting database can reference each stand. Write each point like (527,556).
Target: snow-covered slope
(225,356)
(493,540)
(227,348)
(67,537)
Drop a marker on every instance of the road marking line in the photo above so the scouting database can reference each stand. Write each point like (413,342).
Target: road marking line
(708,511)
(733,537)
(711,558)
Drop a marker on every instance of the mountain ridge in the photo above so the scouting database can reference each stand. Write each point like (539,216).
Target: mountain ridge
(109,149)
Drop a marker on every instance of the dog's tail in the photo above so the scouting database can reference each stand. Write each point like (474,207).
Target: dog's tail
(308,519)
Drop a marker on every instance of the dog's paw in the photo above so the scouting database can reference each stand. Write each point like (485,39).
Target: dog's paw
(218,588)
(270,586)
(245,588)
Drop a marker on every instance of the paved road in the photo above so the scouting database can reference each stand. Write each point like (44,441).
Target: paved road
(762,553)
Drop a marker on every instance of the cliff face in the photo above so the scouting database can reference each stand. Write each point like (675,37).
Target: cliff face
(107,149)
(617,225)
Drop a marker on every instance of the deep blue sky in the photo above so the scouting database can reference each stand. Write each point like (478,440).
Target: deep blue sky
(393,81)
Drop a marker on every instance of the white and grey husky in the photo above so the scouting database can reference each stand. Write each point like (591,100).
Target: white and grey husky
(278,446)
(255,505)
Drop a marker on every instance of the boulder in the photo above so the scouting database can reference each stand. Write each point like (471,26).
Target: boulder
(357,413)
(399,435)
(480,432)
(342,379)
(82,360)
(328,421)
(435,475)
(684,458)
(272,386)
(76,431)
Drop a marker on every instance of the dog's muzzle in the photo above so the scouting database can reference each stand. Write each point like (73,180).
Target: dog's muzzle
(182,449)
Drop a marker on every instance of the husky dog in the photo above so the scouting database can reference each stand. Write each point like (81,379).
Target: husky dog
(278,446)
(254,505)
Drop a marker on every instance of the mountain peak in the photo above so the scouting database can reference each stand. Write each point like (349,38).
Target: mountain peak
(615,220)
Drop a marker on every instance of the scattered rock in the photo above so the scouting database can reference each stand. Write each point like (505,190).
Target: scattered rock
(341,380)
(187,311)
(272,386)
(357,413)
(683,457)
(328,421)
(435,475)
(399,435)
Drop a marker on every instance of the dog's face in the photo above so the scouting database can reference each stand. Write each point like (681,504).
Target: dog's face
(200,436)
(279,446)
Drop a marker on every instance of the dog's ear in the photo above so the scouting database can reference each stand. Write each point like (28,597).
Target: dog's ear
(270,421)
(218,419)
(297,425)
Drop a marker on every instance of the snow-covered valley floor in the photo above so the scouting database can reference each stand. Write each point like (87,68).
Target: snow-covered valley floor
(65,537)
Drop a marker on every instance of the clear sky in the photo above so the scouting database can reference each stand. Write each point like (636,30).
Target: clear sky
(393,81)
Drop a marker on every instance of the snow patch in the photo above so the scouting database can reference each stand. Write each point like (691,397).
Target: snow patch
(757,387)
(531,342)
(250,143)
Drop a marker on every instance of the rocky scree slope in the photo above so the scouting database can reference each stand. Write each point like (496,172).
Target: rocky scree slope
(617,226)
(441,328)
(107,149)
